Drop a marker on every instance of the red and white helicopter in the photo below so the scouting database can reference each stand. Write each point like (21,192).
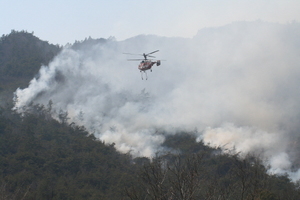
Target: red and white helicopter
(145,64)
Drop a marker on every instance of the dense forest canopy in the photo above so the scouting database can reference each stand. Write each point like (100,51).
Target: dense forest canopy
(21,56)
(42,157)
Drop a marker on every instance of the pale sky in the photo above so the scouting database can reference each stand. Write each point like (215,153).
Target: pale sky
(65,21)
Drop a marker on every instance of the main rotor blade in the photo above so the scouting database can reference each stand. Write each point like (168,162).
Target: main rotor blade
(152,52)
(134,59)
(133,54)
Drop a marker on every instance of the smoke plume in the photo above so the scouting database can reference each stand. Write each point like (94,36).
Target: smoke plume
(237,85)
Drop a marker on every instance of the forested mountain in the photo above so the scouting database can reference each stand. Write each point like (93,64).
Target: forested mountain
(46,158)
(21,56)
(42,158)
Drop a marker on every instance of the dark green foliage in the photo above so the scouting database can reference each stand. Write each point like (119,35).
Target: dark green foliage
(41,158)
(46,159)
(184,142)
(22,54)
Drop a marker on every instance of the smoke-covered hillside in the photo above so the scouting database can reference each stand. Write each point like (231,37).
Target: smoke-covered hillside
(21,56)
(234,86)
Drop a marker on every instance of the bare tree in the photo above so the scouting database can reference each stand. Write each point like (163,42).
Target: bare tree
(185,177)
(170,177)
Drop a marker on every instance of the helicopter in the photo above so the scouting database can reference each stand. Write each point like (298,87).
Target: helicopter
(145,64)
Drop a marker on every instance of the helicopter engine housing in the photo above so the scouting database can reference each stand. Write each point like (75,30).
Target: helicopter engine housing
(158,63)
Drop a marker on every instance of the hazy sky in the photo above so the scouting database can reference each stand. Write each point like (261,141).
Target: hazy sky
(60,22)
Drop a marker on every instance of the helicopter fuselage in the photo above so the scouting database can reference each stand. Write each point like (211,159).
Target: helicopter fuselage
(147,64)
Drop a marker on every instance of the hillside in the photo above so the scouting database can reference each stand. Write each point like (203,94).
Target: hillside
(237,85)
(217,120)
(42,158)
(21,56)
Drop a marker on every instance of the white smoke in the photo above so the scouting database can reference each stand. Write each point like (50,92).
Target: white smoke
(272,146)
(238,85)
